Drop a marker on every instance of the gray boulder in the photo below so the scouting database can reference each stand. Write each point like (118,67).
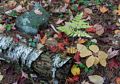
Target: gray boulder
(29,22)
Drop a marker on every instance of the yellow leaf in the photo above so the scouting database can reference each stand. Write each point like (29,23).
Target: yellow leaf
(90,61)
(84,52)
(94,48)
(75,70)
(96,60)
(102,55)
(71,50)
(103,62)
(103,9)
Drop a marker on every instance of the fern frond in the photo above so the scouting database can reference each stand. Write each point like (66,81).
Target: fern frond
(73,28)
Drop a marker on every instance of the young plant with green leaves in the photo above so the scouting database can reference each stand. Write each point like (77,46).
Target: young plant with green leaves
(76,27)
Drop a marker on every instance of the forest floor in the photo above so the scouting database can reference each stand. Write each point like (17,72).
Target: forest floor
(103,17)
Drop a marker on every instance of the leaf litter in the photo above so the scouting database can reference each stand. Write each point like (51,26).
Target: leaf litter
(77,23)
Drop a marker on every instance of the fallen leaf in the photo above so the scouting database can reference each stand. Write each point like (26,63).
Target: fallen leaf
(85,82)
(77,57)
(84,52)
(96,61)
(112,53)
(1,77)
(94,48)
(2,28)
(91,30)
(88,11)
(19,9)
(118,80)
(59,21)
(99,29)
(96,79)
(103,62)
(61,46)
(103,9)
(90,61)
(75,70)
(80,41)
(11,4)
(38,12)
(71,50)
(102,55)
(67,1)
(43,40)
(117,31)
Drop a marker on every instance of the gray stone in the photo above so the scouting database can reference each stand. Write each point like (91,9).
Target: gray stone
(29,22)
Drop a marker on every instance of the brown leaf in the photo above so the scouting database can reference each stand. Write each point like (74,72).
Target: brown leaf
(88,11)
(103,9)
(11,4)
(67,1)
(99,29)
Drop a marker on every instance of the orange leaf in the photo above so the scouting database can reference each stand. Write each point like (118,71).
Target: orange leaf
(118,80)
(103,9)
(67,1)
(43,40)
(117,31)
(80,41)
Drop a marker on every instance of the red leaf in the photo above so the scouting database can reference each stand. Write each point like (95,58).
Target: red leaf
(91,30)
(53,48)
(113,64)
(70,81)
(77,57)
(61,46)
(75,78)
(66,41)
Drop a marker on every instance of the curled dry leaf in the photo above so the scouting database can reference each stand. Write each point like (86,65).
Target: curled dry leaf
(118,80)
(90,61)
(43,40)
(11,3)
(2,28)
(19,9)
(112,53)
(67,1)
(75,70)
(59,21)
(99,29)
(103,9)
(88,11)
(96,79)
(38,12)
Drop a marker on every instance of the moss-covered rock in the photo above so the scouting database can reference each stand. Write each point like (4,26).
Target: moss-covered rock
(29,22)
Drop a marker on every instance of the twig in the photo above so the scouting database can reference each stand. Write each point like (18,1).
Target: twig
(54,28)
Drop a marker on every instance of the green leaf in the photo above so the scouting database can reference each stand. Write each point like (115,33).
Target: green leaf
(8,27)
(73,28)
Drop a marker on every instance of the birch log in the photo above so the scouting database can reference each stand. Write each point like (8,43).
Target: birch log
(47,66)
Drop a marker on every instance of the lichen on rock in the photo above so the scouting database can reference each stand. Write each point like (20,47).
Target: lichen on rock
(29,22)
